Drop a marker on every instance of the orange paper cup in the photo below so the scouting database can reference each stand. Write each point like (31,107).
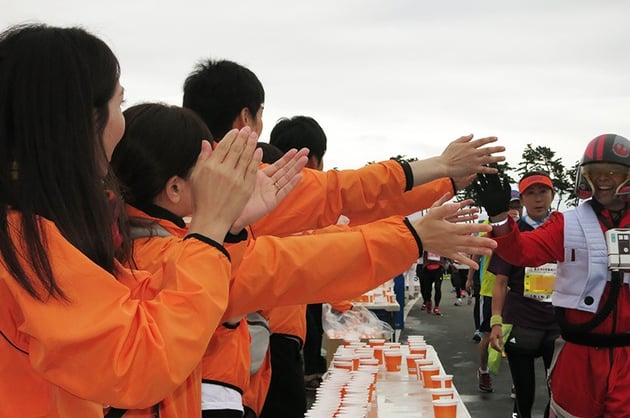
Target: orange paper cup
(393,360)
(391,345)
(442,393)
(427,372)
(418,349)
(420,363)
(376,341)
(412,370)
(445,408)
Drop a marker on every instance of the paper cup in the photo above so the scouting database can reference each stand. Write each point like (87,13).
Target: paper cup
(414,338)
(376,341)
(442,393)
(393,360)
(412,370)
(445,408)
(368,362)
(418,349)
(420,363)
(341,364)
(427,372)
(391,346)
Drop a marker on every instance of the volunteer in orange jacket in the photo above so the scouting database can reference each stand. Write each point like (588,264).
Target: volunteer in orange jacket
(156,146)
(292,353)
(74,339)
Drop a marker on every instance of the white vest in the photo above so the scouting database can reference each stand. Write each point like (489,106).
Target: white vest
(581,278)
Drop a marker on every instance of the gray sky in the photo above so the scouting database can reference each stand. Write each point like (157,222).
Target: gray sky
(385,77)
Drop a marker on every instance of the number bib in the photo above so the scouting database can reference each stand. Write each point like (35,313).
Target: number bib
(539,282)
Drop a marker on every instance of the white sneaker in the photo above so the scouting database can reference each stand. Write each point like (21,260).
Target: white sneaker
(458,302)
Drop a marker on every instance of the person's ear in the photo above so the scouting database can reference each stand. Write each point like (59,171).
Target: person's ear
(173,189)
(243,119)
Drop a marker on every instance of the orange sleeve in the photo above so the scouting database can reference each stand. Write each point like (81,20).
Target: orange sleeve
(316,268)
(363,195)
(102,344)
(289,320)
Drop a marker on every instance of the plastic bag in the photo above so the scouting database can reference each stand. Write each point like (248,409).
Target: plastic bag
(494,356)
(354,324)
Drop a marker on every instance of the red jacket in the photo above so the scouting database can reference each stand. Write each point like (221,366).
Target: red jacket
(546,244)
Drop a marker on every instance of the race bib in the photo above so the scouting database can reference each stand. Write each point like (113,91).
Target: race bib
(539,282)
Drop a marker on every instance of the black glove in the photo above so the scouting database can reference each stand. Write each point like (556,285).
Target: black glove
(494,193)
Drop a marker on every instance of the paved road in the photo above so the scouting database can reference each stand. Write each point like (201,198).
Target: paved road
(451,334)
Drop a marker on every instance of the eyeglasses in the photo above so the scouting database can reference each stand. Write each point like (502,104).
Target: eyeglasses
(603,169)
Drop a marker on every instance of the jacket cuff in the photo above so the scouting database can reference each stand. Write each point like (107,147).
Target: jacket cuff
(416,236)
(408,174)
(236,238)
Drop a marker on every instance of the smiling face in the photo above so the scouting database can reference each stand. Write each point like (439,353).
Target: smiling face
(605,179)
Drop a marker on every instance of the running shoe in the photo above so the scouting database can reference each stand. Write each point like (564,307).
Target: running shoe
(485,384)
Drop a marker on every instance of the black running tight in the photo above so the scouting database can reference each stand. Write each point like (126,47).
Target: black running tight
(524,376)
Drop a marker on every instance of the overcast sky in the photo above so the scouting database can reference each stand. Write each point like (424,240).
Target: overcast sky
(385,78)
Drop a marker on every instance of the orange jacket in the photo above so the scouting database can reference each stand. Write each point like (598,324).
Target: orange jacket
(255,393)
(289,270)
(363,195)
(328,193)
(103,346)
(288,320)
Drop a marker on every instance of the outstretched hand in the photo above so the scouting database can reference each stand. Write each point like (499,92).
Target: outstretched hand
(273,183)
(494,193)
(466,156)
(453,240)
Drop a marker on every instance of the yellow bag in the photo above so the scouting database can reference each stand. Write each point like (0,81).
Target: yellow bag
(494,356)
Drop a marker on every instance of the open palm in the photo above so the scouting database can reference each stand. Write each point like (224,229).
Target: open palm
(273,183)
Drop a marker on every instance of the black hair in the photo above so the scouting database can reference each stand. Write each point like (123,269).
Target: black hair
(271,153)
(299,132)
(160,142)
(219,90)
(55,85)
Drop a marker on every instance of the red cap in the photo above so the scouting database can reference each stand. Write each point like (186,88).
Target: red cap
(535,179)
